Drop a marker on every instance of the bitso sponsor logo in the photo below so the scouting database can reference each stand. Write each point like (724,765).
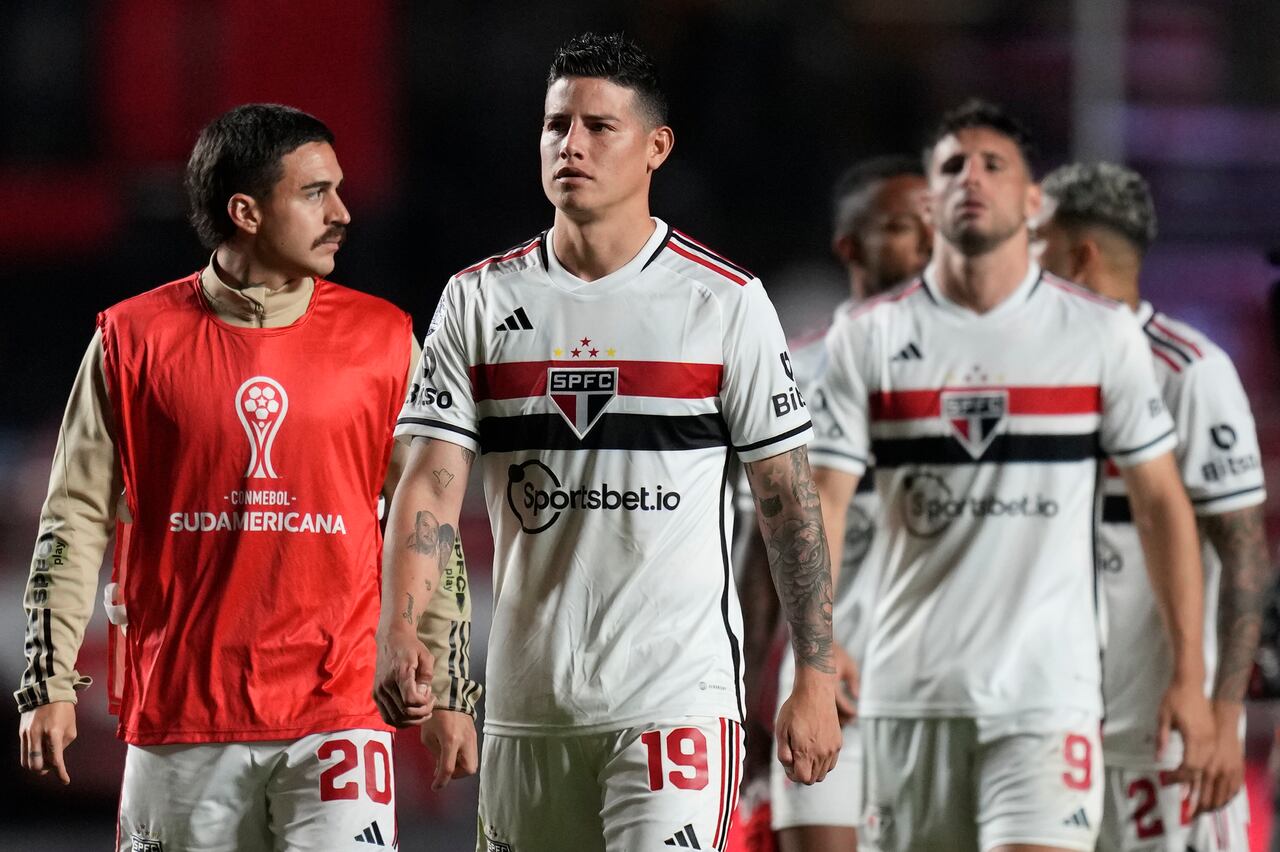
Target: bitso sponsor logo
(1109,559)
(538,498)
(928,506)
(582,394)
(261,405)
(975,417)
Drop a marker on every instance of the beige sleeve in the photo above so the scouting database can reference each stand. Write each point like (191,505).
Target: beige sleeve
(445,626)
(76,523)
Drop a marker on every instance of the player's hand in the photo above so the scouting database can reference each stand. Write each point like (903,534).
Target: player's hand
(808,730)
(450,735)
(1185,709)
(1224,775)
(847,687)
(402,682)
(43,735)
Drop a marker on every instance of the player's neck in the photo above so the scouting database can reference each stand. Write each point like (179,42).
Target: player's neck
(240,270)
(981,282)
(1121,286)
(590,250)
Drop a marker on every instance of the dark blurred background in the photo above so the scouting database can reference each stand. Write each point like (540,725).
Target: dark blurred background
(436,109)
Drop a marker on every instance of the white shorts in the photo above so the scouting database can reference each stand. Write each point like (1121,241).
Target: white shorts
(975,784)
(1148,811)
(671,783)
(837,800)
(331,791)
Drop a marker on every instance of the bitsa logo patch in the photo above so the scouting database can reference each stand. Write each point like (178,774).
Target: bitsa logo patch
(581,394)
(261,405)
(975,417)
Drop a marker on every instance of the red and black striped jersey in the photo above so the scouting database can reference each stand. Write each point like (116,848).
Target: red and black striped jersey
(605,414)
(985,431)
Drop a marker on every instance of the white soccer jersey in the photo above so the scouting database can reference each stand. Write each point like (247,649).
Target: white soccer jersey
(985,431)
(605,414)
(1221,467)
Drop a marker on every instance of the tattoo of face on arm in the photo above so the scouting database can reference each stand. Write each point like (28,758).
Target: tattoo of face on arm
(429,537)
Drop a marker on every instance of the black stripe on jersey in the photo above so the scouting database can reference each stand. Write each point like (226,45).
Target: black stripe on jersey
(897,452)
(1133,450)
(866,482)
(454,628)
(1201,501)
(47,616)
(1166,346)
(32,647)
(726,503)
(1116,509)
(611,432)
(439,424)
(710,255)
(542,249)
(1036,286)
(808,424)
(666,239)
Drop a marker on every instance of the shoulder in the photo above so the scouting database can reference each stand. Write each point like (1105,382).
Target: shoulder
(686,257)
(166,295)
(1181,346)
(1081,298)
(520,258)
(367,305)
(908,296)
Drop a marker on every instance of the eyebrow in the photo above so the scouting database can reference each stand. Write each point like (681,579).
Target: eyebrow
(588,117)
(319,184)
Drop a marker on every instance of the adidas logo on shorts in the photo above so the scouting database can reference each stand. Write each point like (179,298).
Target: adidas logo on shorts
(371,834)
(684,838)
(1077,820)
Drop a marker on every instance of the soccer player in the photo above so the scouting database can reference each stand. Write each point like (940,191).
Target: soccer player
(881,237)
(607,370)
(1098,221)
(983,393)
(245,413)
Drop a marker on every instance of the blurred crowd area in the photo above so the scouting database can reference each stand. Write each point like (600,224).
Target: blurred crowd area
(436,108)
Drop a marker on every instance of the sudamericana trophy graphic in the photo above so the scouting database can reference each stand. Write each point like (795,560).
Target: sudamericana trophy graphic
(261,405)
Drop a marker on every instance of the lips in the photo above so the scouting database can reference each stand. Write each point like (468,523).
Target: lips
(569,172)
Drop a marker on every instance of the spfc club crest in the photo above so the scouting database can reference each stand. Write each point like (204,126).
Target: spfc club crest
(975,417)
(582,394)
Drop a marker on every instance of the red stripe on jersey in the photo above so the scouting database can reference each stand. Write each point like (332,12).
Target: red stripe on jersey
(916,404)
(665,379)
(708,264)
(1173,365)
(512,255)
(724,770)
(1077,290)
(896,295)
(1180,339)
(709,250)
(1113,470)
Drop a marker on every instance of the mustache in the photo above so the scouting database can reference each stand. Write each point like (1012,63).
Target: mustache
(335,232)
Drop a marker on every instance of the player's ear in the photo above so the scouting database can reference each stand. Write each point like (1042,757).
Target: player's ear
(244,212)
(661,141)
(1085,257)
(847,249)
(1034,202)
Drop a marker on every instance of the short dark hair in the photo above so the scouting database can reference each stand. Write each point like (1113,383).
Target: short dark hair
(976,112)
(847,210)
(1104,195)
(615,58)
(240,151)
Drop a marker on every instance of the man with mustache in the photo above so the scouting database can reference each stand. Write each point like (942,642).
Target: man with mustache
(983,393)
(240,419)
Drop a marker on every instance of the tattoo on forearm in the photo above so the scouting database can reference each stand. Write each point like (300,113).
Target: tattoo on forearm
(429,537)
(1240,540)
(443,477)
(408,609)
(467,455)
(791,523)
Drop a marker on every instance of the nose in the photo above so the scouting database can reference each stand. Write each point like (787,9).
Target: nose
(571,147)
(972,170)
(338,213)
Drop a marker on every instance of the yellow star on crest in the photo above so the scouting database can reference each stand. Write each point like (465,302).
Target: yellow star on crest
(611,351)
(557,352)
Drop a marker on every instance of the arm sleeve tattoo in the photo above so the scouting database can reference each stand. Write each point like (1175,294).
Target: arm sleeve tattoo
(1239,538)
